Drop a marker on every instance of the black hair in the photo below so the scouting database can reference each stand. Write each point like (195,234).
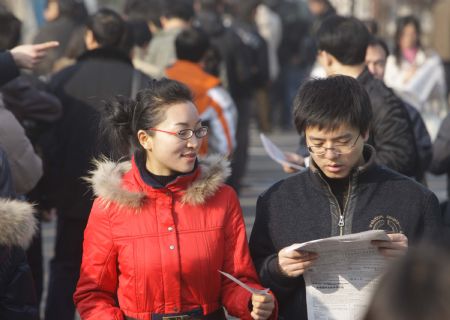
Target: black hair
(191,44)
(108,28)
(346,38)
(182,9)
(377,41)
(123,117)
(10,29)
(331,102)
(73,9)
(147,10)
(372,26)
(210,5)
(141,32)
(402,22)
(415,287)
(246,10)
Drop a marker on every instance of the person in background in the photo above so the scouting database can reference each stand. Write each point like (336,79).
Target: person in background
(173,209)
(215,105)
(33,112)
(176,15)
(343,191)
(376,55)
(17,226)
(417,74)
(62,18)
(104,70)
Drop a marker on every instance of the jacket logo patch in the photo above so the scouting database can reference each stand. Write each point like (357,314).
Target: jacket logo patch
(387,223)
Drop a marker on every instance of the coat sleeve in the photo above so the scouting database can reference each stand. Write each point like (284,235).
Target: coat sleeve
(393,135)
(265,256)
(441,149)
(239,264)
(432,229)
(95,295)
(8,67)
(25,164)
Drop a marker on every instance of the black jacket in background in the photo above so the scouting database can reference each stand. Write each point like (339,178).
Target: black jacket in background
(392,133)
(301,208)
(97,76)
(8,67)
(17,225)
(441,152)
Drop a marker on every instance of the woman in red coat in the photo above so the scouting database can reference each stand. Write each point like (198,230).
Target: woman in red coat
(164,224)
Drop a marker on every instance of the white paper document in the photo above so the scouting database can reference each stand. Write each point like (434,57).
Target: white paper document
(341,281)
(276,154)
(243,285)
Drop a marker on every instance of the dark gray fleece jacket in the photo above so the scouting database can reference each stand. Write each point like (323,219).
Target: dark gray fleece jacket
(302,208)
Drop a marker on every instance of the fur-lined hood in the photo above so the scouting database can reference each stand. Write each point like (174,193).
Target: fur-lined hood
(17,223)
(106,181)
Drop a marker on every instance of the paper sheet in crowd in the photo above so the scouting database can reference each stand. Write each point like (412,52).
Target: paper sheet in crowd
(276,154)
(243,285)
(341,282)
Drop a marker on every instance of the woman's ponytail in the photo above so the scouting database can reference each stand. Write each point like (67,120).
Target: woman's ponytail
(116,126)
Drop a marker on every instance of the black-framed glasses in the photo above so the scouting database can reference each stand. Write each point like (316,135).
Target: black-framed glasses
(186,134)
(337,149)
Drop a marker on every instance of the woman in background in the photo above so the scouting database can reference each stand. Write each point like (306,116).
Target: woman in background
(417,74)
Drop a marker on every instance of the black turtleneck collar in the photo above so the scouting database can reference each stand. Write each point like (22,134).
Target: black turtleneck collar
(109,53)
(151,179)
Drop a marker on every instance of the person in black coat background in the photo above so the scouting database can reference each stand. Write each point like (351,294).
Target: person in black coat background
(17,226)
(102,72)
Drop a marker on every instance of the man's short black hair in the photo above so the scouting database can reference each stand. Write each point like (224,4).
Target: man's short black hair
(346,38)
(182,9)
(10,29)
(377,41)
(192,44)
(331,102)
(108,28)
(148,10)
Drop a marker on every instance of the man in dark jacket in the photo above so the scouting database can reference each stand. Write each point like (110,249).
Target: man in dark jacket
(104,71)
(343,191)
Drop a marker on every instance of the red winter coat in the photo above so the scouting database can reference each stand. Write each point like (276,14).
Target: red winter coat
(149,250)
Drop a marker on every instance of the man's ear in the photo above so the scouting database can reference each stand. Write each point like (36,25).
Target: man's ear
(365,136)
(89,40)
(145,140)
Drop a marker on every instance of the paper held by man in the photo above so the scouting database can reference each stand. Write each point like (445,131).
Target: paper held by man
(341,282)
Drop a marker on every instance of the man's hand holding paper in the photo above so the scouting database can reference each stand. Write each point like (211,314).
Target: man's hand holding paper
(294,263)
(397,245)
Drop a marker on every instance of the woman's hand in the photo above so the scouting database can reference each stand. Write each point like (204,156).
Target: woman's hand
(263,306)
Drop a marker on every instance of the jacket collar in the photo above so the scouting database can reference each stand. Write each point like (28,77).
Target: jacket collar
(109,184)
(365,76)
(369,157)
(108,53)
(192,73)
(17,223)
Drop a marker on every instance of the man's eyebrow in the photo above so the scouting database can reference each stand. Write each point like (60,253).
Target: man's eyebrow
(343,136)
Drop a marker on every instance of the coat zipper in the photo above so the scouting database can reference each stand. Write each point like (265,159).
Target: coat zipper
(341,222)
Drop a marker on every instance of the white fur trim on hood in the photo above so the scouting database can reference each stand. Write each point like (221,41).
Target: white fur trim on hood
(106,181)
(17,223)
